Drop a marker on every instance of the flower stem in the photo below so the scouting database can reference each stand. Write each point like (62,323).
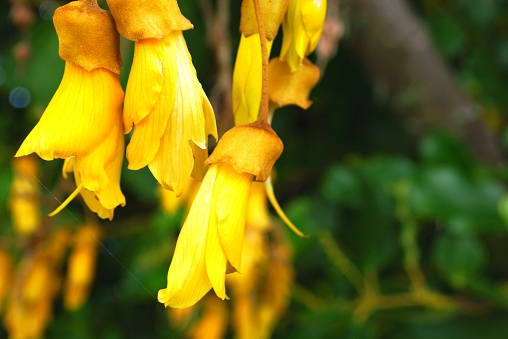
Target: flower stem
(263,108)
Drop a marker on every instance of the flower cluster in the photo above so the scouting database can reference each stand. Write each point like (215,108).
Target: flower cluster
(170,119)
(210,243)
(165,102)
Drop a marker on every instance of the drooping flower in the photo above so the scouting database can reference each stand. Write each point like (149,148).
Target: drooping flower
(35,287)
(164,100)
(247,73)
(210,242)
(81,266)
(83,119)
(302,28)
(24,200)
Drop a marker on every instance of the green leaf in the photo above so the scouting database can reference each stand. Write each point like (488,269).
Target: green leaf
(459,258)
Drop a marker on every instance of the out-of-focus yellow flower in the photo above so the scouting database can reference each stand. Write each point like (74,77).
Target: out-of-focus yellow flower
(210,242)
(81,266)
(302,28)
(37,282)
(205,320)
(261,293)
(7,276)
(25,195)
(170,203)
(83,119)
(164,100)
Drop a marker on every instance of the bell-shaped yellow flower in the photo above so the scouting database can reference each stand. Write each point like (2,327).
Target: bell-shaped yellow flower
(83,119)
(302,28)
(210,242)
(164,100)
(211,238)
(171,114)
(81,266)
(24,200)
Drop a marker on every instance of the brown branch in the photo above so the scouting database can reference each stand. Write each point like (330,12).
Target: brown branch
(396,50)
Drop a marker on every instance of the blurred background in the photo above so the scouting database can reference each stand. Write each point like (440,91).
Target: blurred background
(397,173)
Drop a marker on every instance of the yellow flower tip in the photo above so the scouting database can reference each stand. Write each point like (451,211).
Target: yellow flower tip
(252,148)
(278,209)
(211,238)
(87,36)
(288,87)
(142,19)
(302,29)
(273,14)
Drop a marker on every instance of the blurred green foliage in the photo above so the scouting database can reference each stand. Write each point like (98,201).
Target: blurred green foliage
(407,238)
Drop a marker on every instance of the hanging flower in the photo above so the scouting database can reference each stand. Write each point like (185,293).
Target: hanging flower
(83,119)
(302,28)
(24,200)
(164,100)
(247,73)
(210,242)
(81,266)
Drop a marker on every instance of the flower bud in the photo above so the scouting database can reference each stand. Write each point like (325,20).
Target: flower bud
(87,36)
(252,148)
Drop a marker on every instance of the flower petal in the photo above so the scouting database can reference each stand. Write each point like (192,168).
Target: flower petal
(173,163)
(145,82)
(231,194)
(247,79)
(76,119)
(216,261)
(187,276)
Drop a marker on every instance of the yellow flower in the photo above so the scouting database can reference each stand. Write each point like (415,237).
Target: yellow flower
(164,100)
(83,119)
(171,114)
(24,198)
(302,29)
(210,239)
(247,79)
(210,242)
(81,266)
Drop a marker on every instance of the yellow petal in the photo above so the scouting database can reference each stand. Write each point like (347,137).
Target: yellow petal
(247,77)
(187,277)
(145,80)
(76,119)
(102,166)
(216,261)
(189,122)
(313,18)
(230,194)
